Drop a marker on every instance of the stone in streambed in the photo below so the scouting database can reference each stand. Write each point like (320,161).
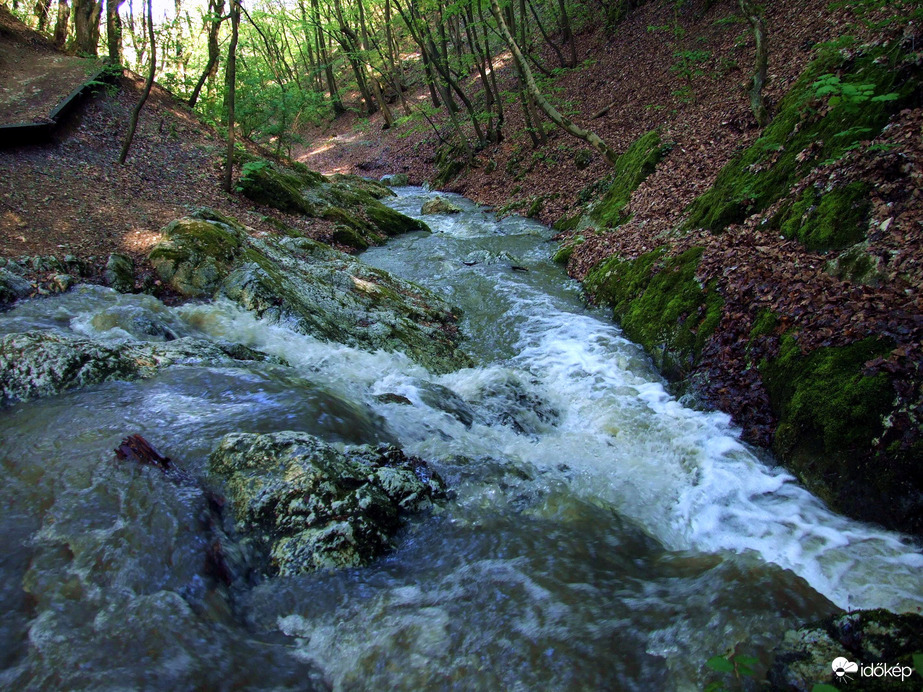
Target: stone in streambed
(439,205)
(302,505)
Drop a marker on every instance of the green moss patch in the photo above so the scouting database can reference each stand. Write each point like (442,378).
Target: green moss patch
(829,410)
(660,304)
(631,169)
(841,99)
(828,219)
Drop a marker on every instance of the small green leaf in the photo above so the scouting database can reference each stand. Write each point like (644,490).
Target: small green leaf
(824,687)
(886,97)
(721,664)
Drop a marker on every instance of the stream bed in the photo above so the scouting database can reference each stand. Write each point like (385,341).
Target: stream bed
(600,534)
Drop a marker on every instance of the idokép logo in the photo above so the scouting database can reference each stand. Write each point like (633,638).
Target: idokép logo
(846,670)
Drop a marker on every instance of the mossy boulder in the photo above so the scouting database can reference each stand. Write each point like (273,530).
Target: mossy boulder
(631,169)
(831,412)
(302,505)
(346,200)
(844,97)
(866,637)
(197,252)
(331,295)
(660,304)
(395,180)
(439,205)
(44,363)
(120,273)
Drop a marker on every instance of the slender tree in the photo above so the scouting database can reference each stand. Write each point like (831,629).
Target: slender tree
(133,124)
(114,31)
(230,78)
(754,15)
(60,27)
(565,124)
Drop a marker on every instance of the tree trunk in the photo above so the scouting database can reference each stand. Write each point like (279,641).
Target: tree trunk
(215,12)
(147,88)
(567,33)
(114,31)
(86,25)
(757,103)
(42,10)
(571,128)
(230,79)
(60,27)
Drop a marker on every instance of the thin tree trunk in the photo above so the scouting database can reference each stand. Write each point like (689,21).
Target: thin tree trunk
(571,128)
(60,27)
(147,89)
(568,33)
(231,84)
(215,12)
(757,103)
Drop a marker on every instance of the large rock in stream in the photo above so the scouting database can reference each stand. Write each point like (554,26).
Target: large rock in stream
(303,505)
(43,363)
(348,201)
(314,288)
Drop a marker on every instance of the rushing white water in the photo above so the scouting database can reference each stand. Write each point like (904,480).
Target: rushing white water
(601,533)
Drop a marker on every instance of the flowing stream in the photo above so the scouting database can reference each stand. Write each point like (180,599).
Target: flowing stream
(600,535)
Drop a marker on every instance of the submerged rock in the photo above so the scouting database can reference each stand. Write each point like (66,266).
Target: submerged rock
(303,505)
(316,289)
(863,637)
(439,205)
(43,363)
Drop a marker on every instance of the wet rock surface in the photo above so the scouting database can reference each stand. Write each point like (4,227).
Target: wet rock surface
(439,205)
(877,638)
(303,505)
(318,290)
(43,363)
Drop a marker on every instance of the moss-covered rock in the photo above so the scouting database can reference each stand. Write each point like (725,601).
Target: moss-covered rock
(197,252)
(827,219)
(563,254)
(450,161)
(439,205)
(346,200)
(120,273)
(395,180)
(331,295)
(830,411)
(865,637)
(631,169)
(842,98)
(858,265)
(44,363)
(303,505)
(660,304)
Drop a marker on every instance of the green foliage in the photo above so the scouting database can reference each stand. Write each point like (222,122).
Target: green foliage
(631,169)
(739,666)
(688,65)
(660,304)
(810,129)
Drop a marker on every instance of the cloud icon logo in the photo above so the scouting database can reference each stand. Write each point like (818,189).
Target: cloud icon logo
(842,666)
